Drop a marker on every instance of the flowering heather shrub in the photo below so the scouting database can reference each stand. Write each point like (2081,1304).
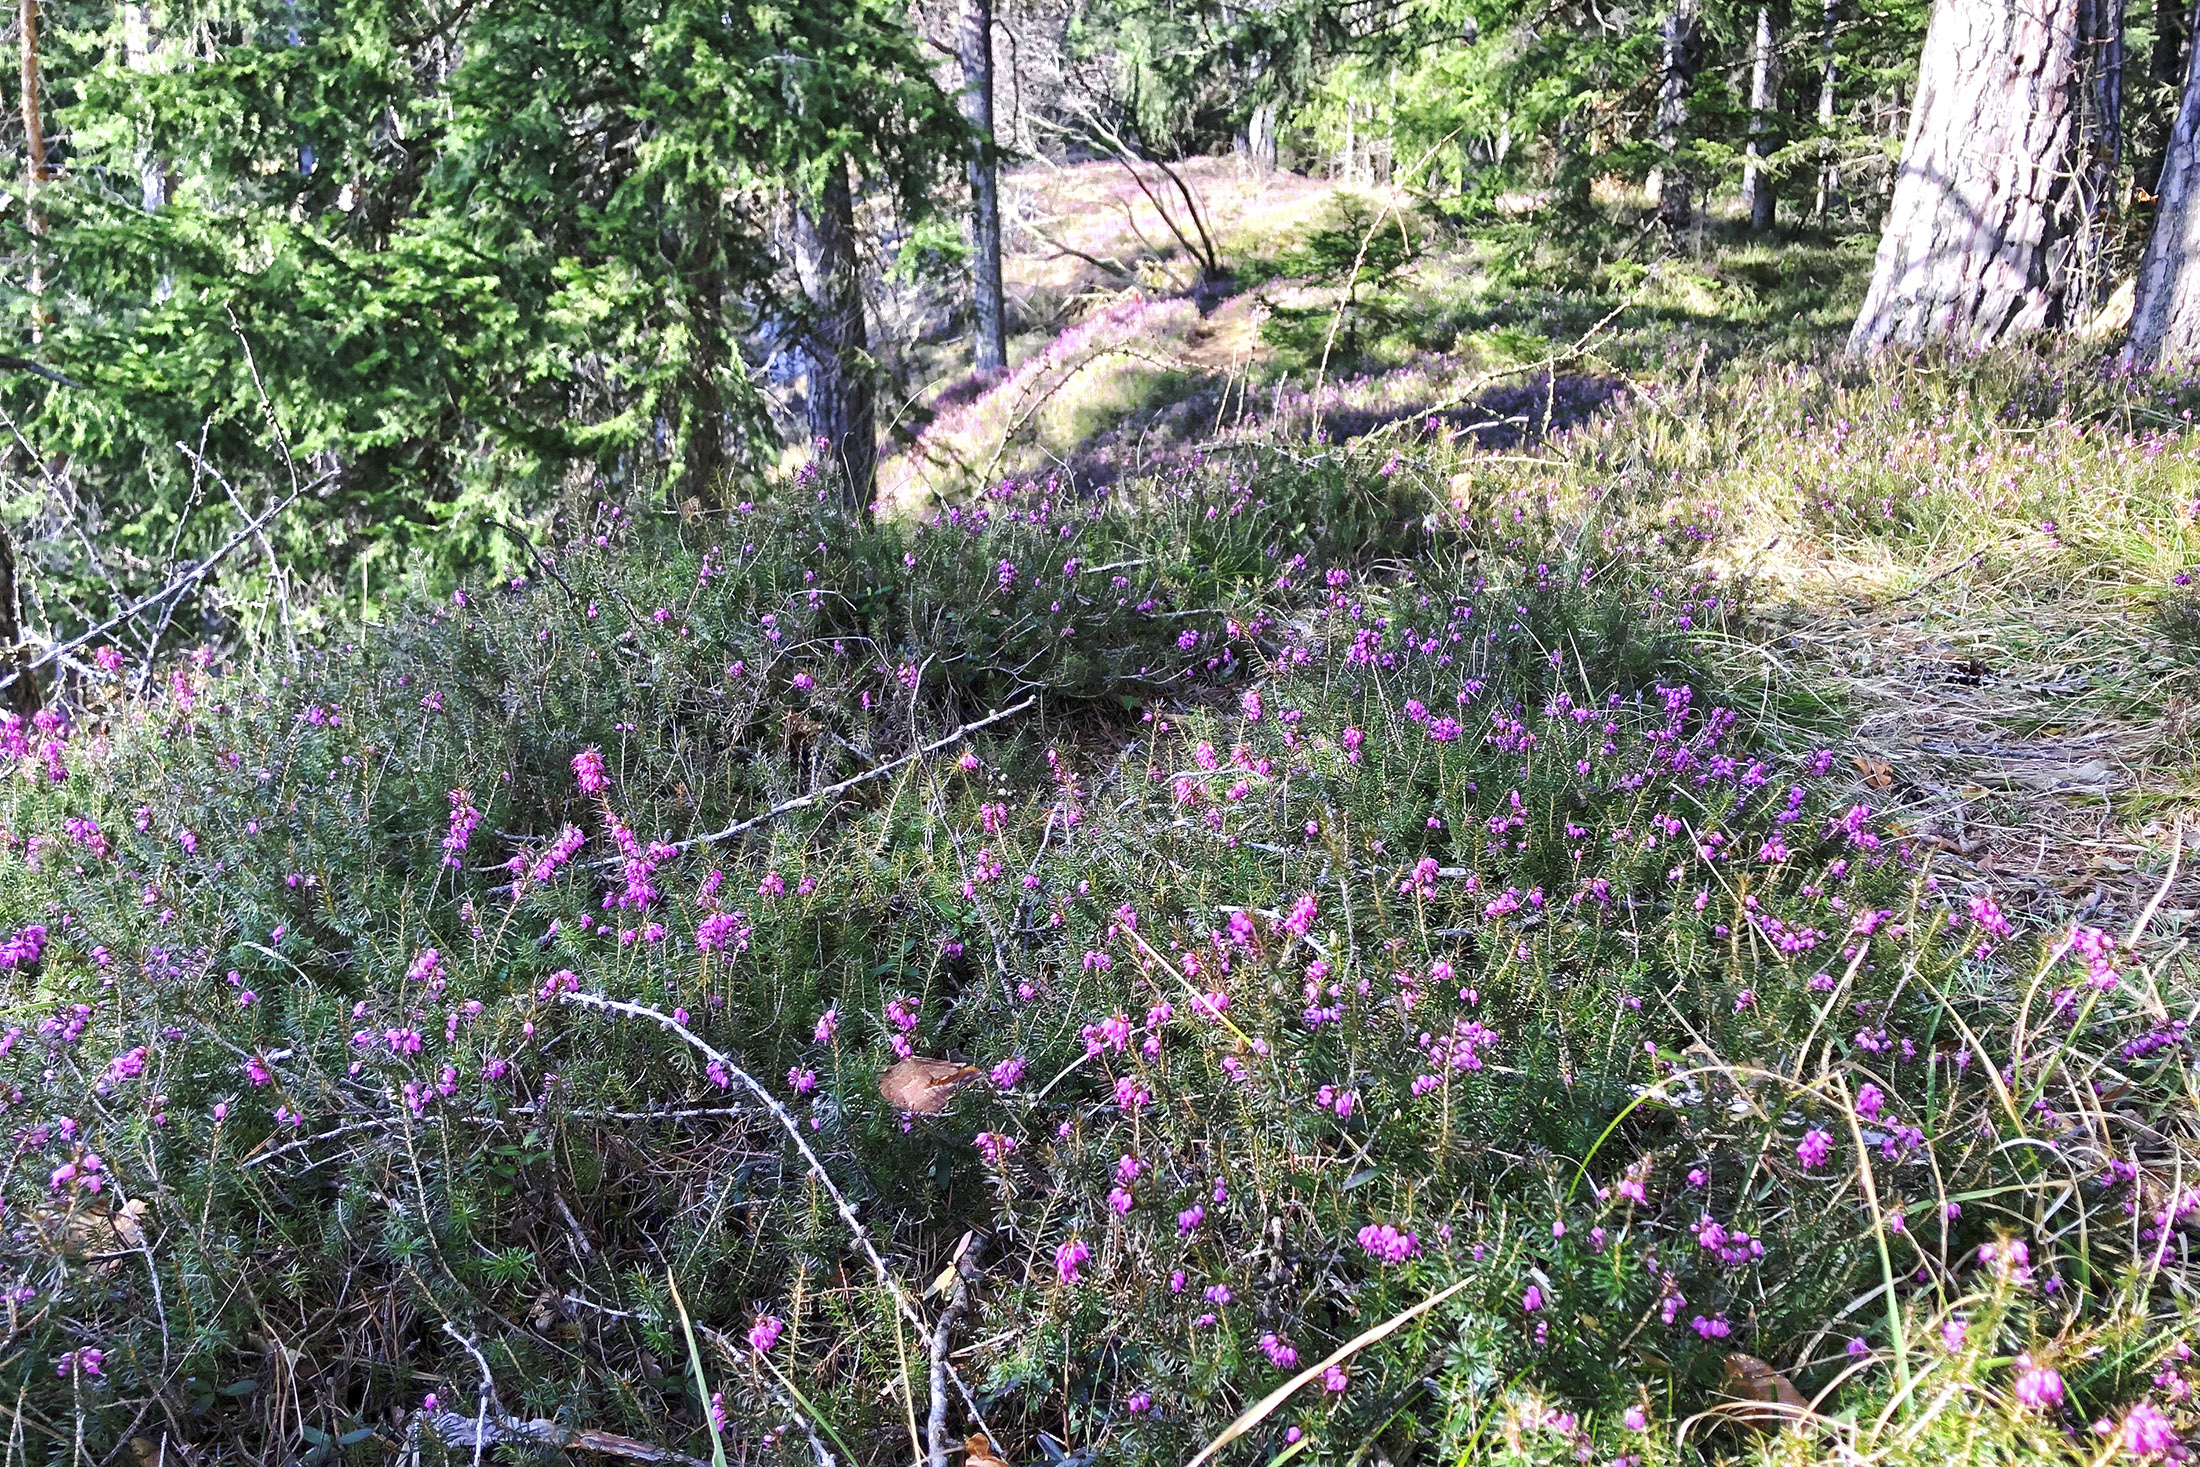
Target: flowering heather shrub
(1329,935)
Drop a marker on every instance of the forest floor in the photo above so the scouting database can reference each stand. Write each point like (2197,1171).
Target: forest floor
(2003,678)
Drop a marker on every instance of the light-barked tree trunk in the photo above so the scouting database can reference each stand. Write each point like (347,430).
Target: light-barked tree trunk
(991,330)
(1829,102)
(2165,313)
(1675,187)
(1759,197)
(843,420)
(1987,180)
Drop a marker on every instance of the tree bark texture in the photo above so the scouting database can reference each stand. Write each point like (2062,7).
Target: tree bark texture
(1759,197)
(34,157)
(2083,260)
(991,343)
(843,422)
(1676,188)
(1829,103)
(2165,312)
(703,414)
(21,695)
(1986,184)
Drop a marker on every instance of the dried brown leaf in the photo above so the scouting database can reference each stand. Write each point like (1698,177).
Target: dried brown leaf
(980,1451)
(1770,1398)
(924,1086)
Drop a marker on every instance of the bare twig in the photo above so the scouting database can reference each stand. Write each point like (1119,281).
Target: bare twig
(943,1337)
(542,559)
(183,583)
(831,790)
(488,1388)
(278,578)
(25,364)
(462,1431)
(810,1159)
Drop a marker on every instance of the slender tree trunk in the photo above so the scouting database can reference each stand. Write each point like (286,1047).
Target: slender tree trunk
(1829,103)
(21,695)
(703,414)
(1758,195)
(139,45)
(2165,70)
(34,157)
(1260,137)
(991,344)
(843,423)
(1676,188)
(2165,313)
(1986,182)
(2083,261)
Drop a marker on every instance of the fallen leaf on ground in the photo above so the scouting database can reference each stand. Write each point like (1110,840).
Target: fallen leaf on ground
(924,1086)
(980,1446)
(1878,774)
(1770,1398)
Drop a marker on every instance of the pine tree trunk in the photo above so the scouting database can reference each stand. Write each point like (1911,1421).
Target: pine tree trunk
(1829,102)
(2083,260)
(1986,183)
(843,424)
(991,344)
(1676,188)
(703,414)
(1759,198)
(139,44)
(34,156)
(2165,313)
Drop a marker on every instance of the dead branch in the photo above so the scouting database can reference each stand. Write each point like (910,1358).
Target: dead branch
(188,581)
(943,1338)
(464,1431)
(810,1159)
(831,790)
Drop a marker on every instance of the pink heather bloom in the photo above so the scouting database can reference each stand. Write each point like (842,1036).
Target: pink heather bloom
(1814,1148)
(1531,1299)
(465,819)
(765,1333)
(1070,1259)
(1387,1245)
(727,932)
(1009,1072)
(588,771)
(828,1024)
(2039,1387)
(1635,1419)
(1334,1380)
(993,1146)
(2147,1432)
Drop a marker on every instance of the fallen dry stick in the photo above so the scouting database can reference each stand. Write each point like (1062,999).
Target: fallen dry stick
(456,1430)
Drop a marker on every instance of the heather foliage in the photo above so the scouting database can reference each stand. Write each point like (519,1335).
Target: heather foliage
(1375,898)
